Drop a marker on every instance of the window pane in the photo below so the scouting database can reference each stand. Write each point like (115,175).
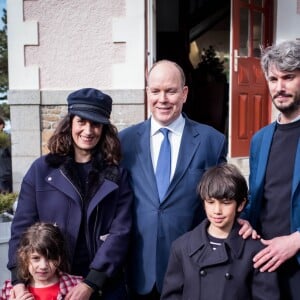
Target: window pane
(258,2)
(244,32)
(257,33)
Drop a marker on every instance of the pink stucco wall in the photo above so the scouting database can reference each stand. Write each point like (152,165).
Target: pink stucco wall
(75,42)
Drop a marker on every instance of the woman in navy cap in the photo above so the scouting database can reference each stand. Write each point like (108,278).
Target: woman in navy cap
(80,187)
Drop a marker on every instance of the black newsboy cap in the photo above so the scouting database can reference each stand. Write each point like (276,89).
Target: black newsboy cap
(90,104)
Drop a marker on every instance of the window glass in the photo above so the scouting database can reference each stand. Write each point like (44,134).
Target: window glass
(244,32)
(257,33)
(258,3)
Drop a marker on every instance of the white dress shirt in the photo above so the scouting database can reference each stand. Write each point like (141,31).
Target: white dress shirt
(175,135)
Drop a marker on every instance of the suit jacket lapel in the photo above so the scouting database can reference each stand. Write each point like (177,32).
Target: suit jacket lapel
(144,155)
(189,144)
(296,177)
(264,153)
(190,137)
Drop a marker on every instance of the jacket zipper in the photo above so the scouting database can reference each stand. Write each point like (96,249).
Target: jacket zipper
(95,229)
(88,241)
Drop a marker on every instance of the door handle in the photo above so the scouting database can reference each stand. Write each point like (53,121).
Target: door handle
(235,60)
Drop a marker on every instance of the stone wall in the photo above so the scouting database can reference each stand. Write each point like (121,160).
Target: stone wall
(50,116)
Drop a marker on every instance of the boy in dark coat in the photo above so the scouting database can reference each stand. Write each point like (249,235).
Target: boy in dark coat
(213,261)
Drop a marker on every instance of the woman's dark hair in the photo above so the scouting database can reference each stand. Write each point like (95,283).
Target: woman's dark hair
(61,141)
(48,241)
(224,181)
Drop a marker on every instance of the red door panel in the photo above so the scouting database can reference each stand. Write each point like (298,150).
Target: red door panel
(249,93)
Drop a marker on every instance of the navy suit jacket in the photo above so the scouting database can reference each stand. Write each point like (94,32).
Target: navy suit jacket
(156,225)
(259,155)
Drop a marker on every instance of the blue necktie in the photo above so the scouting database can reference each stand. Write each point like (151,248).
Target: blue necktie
(163,167)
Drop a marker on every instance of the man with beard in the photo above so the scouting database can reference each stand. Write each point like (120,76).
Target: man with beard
(274,206)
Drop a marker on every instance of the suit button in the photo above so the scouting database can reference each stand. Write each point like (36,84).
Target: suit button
(228,276)
(202,273)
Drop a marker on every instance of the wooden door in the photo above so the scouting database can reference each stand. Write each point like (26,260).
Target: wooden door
(251,29)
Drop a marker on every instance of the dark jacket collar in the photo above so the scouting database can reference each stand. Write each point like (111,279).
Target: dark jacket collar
(98,173)
(201,252)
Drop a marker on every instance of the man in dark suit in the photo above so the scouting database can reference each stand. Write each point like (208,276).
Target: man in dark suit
(158,221)
(194,148)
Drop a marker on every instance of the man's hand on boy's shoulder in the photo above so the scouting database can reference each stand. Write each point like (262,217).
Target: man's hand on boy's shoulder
(247,230)
(276,252)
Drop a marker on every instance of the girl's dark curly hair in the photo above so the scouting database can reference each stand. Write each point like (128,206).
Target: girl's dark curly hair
(61,141)
(45,239)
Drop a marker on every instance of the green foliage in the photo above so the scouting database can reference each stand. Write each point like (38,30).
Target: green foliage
(4,140)
(3,58)
(211,68)
(7,201)
(4,111)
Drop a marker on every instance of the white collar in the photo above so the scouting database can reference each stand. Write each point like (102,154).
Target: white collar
(176,126)
(294,120)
